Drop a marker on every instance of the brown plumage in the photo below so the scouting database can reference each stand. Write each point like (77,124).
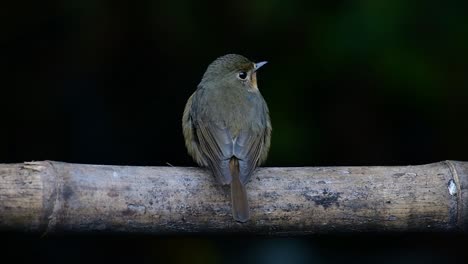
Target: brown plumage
(227,127)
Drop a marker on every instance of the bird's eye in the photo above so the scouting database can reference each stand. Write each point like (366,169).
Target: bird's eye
(242,75)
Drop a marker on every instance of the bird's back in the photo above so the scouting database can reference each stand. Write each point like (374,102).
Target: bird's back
(237,123)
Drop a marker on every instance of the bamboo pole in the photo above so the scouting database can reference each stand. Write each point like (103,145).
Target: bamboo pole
(50,197)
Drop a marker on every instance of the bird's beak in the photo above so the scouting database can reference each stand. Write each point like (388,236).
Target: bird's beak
(258,65)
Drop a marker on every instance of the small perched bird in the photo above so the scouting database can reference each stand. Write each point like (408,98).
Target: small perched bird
(227,126)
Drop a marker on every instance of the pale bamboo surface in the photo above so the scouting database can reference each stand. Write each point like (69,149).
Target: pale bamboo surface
(49,197)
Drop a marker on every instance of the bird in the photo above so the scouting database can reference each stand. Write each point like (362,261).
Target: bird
(226,126)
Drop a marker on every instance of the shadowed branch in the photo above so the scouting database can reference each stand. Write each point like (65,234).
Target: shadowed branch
(50,197)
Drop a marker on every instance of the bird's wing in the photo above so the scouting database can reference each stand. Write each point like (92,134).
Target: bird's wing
(248,148)
(216,143)
(252,144)
(191,141)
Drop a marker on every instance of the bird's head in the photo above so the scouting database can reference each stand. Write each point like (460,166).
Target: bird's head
(234,70)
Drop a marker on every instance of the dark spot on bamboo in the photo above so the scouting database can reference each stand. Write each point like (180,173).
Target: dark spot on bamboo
(128,212)
(271,196)
(325,199)
(112,193)
(67,192)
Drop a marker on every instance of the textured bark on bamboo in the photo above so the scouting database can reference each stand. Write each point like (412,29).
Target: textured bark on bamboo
(48,197)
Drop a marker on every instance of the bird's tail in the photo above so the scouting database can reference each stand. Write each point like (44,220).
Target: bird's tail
(240,206)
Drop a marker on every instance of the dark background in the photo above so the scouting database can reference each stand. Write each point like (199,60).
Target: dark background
(348,83)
